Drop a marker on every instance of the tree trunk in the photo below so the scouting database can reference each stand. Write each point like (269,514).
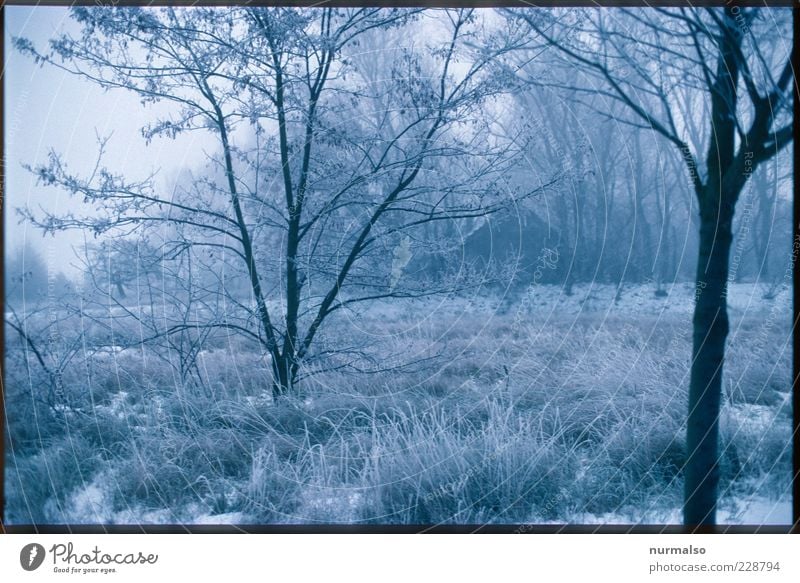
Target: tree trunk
(285,368)
(766,194)
(705,389)
(281,369)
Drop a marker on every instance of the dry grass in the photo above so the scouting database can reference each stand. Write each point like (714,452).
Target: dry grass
(520,423)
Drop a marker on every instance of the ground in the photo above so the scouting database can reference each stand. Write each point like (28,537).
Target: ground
(548,409)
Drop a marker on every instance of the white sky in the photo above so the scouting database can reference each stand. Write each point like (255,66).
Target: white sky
(48,109)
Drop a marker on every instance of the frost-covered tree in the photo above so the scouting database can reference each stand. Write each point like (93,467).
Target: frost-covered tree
(320,170)
(736,65)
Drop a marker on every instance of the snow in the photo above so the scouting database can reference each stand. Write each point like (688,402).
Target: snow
(744,299)
(757,511)
(89,505)
(92,504)
(750,511)
(227,518)
(117,406)
(333,504)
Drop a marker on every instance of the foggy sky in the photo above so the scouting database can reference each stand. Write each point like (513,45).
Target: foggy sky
(50,109)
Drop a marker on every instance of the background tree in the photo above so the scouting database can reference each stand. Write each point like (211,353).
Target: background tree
(34,296)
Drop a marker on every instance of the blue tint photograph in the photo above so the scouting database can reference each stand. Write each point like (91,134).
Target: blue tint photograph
(381,266)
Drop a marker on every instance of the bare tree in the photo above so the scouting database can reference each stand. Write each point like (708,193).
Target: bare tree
(46,341)
(317,175)
(731,59)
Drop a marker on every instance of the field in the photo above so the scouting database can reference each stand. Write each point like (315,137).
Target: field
(552,409)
